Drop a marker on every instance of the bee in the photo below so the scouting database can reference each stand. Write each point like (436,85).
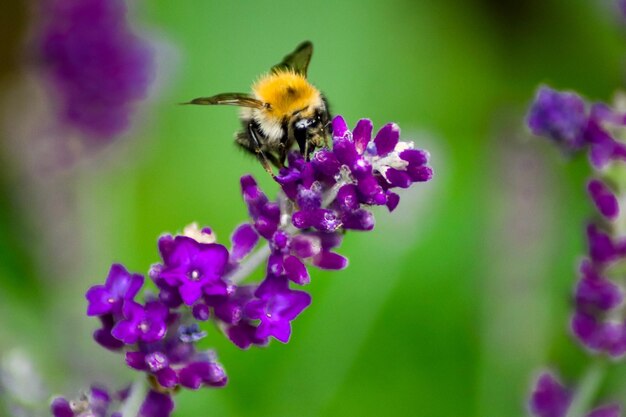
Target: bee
(284,109)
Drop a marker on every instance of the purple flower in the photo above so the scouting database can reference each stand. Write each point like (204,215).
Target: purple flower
(230,310)
(198,279)
(276,307)
(597,297)
(601,247)
(594,292)
(204,371)
(244,334)
(599,133)
(103,335)
(94,403)
(157,363)
(265,214)
(194,268)
(145,323)
(613,410)
(243,239)
(98,67)
(156,405)
(560,117)
(603,198)
(549,398)
(60,407)
(120,286)
(329,191)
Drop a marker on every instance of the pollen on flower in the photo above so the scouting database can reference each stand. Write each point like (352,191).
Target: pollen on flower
(204,235)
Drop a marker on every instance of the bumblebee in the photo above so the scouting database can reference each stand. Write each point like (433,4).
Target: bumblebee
(284,109)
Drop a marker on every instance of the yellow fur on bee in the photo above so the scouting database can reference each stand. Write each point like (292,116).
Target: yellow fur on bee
(286,92)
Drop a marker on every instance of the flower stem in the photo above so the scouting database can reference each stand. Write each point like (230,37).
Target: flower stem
(587,388)
(134,400)
(247,267)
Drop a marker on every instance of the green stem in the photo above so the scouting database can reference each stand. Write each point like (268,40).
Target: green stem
(135,399)
(587,388)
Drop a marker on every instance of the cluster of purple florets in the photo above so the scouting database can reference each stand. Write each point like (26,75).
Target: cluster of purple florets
(568,121)
(563,117)
(97,65)
(200,280)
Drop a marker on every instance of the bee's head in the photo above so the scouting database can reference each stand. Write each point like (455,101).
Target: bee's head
(310,132)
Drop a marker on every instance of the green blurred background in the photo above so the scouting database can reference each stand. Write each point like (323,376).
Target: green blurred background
(448,308)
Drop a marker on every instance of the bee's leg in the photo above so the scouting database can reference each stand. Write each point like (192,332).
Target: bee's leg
(274,160)
(282,155)
(256,145)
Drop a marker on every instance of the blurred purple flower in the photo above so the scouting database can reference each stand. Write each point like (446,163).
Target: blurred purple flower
(563,118)
(551,399)
(97,402)
(560,117)
(203,371)
(96,63)
(603,198)
(157,404)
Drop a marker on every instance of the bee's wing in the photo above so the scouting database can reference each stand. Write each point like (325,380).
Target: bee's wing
(298,60)
(232,99)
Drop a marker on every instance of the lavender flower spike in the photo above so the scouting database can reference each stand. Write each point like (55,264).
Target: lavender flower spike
(200,280)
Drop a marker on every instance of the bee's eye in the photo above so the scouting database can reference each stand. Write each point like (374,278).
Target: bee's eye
(303,124)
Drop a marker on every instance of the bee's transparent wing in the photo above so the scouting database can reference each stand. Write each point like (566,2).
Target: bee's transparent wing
(231,99)
(298,60)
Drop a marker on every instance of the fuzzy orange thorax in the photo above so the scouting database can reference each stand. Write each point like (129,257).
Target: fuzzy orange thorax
(286,92)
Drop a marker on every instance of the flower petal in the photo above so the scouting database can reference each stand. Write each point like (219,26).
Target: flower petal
(603,198)
(392,201)
(157,405)
(100,301)
(296,271)
(362,134)
(167,377)
(190,292)
(398,178)
(244,239)
(387,138)
(549,398)
(60,407)
(340,127)
(330,260)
